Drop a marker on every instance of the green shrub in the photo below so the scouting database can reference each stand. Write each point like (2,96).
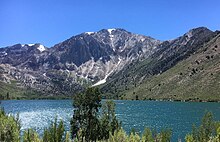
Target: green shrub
(165,135)
(207,131)
(147,135)
(55,132)
(134,137)
(31,136)
(9,128)
(119,136)
(189,138)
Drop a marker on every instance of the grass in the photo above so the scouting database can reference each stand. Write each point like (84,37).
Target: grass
(11,91)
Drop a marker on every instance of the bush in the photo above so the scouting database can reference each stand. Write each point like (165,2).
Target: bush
(55,132)
(9,128)
(31,136)
(165,135)
(189,138)
(147,135)
(206,131)
(119,136)
(134,137)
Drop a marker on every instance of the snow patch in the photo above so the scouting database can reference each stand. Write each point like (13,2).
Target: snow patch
(89,33)
(4,53)
(110,30)
(111,38)
(30,44)
(100,82)
(41,48)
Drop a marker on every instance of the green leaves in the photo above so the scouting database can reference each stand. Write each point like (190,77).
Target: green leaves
(118,136)
(165,135)
(108,120)
(55,132)
(87,119)
(31,136)
(189,138)
(147,135)
(86,106)
(9,128)
(206,131)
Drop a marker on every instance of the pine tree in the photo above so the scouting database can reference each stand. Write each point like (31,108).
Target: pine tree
(86,107)
(108,121)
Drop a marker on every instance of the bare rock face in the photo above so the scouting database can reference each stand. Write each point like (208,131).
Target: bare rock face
(85,59)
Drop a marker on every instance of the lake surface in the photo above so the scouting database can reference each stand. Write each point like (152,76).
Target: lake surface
(179,116)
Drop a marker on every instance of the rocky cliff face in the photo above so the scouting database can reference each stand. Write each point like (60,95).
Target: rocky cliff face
(85,59)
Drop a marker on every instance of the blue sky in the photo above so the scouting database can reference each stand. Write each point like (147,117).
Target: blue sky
(52,21)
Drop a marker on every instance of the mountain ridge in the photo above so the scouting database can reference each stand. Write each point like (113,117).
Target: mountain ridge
(78,61)
(124,84)
(96,58)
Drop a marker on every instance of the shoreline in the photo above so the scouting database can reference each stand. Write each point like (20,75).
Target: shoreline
(156,100)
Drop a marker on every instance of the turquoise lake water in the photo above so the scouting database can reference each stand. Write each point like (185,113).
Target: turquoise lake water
(179,116)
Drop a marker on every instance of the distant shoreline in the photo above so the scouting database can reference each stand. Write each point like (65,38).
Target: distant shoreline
(157,100)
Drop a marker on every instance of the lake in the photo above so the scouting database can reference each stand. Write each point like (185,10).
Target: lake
(179,116)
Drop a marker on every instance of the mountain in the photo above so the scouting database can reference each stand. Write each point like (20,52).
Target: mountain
(66,68)
(123,64)
(168,73)
(95,55)
(196,78)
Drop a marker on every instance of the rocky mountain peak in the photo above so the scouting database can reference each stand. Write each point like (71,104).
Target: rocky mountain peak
(112,30)
(200,31)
